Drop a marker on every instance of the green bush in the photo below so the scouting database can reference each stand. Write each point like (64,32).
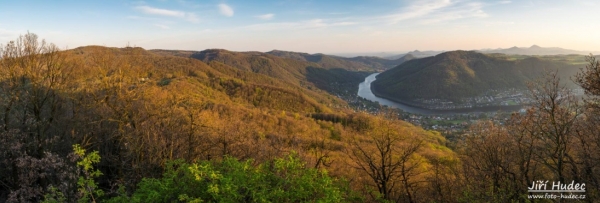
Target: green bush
(282,180)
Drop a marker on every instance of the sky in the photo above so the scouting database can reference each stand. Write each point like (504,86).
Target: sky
(319,26)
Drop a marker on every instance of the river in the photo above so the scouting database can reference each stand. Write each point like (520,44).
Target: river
(364,91)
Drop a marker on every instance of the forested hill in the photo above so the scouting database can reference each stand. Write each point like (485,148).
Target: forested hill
(361,63)
(458,74)
(334,76)
(329,73)
(279,84)
(140,114)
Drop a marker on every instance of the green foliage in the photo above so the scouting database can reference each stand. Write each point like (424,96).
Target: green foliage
(282,180)
(164,82)
(87,187)
(54,196)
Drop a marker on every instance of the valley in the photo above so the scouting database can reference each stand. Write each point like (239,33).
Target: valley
(150,113)
(429,101)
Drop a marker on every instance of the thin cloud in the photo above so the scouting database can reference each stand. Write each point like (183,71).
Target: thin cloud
(435,11)
(419,9)
(418,12)
(505,2)
(455,12)
(162,26)
(299,25)
(225,10)
(159,11)
(191,17)
(267,16)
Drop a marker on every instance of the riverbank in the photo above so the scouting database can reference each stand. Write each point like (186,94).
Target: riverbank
(466,110)
(366,91)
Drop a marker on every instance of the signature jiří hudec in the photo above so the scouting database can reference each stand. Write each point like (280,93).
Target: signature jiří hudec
(541,186)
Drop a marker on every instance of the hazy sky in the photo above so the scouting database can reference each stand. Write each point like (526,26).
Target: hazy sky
(326,26)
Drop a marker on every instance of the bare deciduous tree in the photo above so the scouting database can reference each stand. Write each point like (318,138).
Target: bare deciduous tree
(385,155)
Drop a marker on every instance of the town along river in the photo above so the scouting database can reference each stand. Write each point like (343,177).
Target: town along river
(364,91)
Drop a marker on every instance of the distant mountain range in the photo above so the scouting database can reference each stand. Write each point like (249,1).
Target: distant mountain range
(458,74)
(415,54)
(534,50)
